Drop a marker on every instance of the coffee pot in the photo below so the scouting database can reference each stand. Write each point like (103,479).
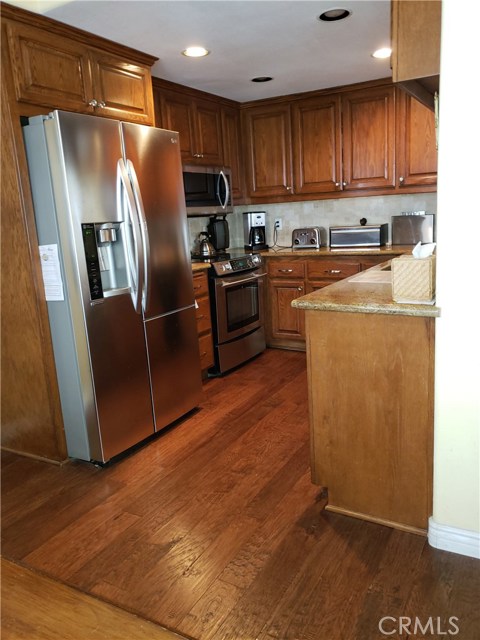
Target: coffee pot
(255,230)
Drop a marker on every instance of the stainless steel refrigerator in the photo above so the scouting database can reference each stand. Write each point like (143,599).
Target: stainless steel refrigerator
(108,198)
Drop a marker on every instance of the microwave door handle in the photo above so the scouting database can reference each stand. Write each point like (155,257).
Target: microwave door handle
(132,243)
(143,232)
(222,176)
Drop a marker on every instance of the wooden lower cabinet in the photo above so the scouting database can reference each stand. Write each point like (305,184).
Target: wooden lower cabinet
(286,282)
(291,278)
(204,321)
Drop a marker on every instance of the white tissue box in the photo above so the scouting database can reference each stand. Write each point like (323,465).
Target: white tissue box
(413,279)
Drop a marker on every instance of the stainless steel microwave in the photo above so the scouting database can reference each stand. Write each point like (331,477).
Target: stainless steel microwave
(207,190)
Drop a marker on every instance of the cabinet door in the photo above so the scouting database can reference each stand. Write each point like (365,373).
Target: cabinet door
(268,142)
(232,151)
(417,149)
(208,129)
(49,70)
(369,138)
(286,322)
(122,90)
(177,115)
(317,150)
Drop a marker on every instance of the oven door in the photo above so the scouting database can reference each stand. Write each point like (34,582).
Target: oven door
(238,305)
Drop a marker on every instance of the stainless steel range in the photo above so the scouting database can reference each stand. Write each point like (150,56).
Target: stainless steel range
(236,283)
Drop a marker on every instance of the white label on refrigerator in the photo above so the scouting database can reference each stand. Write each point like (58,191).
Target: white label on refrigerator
(52,277)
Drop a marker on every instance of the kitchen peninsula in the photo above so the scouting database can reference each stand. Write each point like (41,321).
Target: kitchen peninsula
(370,379)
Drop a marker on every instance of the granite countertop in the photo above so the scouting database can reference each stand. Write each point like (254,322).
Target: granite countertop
(200,266)
(387,251)
(369,291)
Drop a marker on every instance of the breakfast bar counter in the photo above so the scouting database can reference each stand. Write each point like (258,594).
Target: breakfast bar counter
(370,368)
(366,292)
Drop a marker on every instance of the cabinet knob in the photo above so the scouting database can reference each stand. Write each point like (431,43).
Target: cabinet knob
(288,188)
(333,272)
(300,288)
(101,104)
(285,270)
(344,184)
(401,179)
(337,184)
(93,103)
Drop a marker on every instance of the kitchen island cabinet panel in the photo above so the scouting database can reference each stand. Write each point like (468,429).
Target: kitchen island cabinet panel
(371,414)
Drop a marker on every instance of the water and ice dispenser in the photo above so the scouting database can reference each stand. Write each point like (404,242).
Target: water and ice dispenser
(105,254)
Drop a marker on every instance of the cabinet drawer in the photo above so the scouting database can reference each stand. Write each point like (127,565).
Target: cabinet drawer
(334,269)
(206,351)
(286,268)
(202,313)
(200,285)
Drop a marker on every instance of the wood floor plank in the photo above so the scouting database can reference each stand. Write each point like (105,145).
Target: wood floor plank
(214,529)
(35,607)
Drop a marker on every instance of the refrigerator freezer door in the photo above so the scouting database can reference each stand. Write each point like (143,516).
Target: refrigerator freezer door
(157,181)
(174,365)
(120,376)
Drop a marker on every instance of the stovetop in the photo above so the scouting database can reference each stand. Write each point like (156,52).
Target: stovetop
(220,256)
(228,263)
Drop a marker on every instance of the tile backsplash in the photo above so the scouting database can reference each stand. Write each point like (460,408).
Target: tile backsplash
(320,213)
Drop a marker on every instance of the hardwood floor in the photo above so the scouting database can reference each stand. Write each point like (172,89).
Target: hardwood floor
(214,529)
(38,608)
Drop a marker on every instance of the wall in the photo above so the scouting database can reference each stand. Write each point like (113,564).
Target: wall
(321,213)
(456,518)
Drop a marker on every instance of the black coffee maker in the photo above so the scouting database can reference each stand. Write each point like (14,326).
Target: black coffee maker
(254,230)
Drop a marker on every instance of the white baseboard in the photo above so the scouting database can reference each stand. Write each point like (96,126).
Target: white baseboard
(462,541)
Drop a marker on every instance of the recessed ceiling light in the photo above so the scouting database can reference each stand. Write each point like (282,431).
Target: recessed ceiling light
(332,15)
(262,79)
(195,52)
(385,52)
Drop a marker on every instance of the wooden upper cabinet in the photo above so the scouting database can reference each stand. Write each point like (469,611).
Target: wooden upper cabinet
(198,123)
(317,153)
(232,151)
(369,138)
(416,143)
(416,26)
(267,131)
(416,31)
(121,89)
(48,69)
(58,72)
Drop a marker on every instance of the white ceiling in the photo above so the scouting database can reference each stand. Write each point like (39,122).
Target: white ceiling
(247,38)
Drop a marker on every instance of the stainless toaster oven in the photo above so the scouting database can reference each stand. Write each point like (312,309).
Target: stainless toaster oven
(368,235)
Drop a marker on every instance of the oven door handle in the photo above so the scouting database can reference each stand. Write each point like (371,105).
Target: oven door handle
(251,278)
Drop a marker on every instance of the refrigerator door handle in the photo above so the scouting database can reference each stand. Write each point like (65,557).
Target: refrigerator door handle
(222,176)
(133,246)
(143,231)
